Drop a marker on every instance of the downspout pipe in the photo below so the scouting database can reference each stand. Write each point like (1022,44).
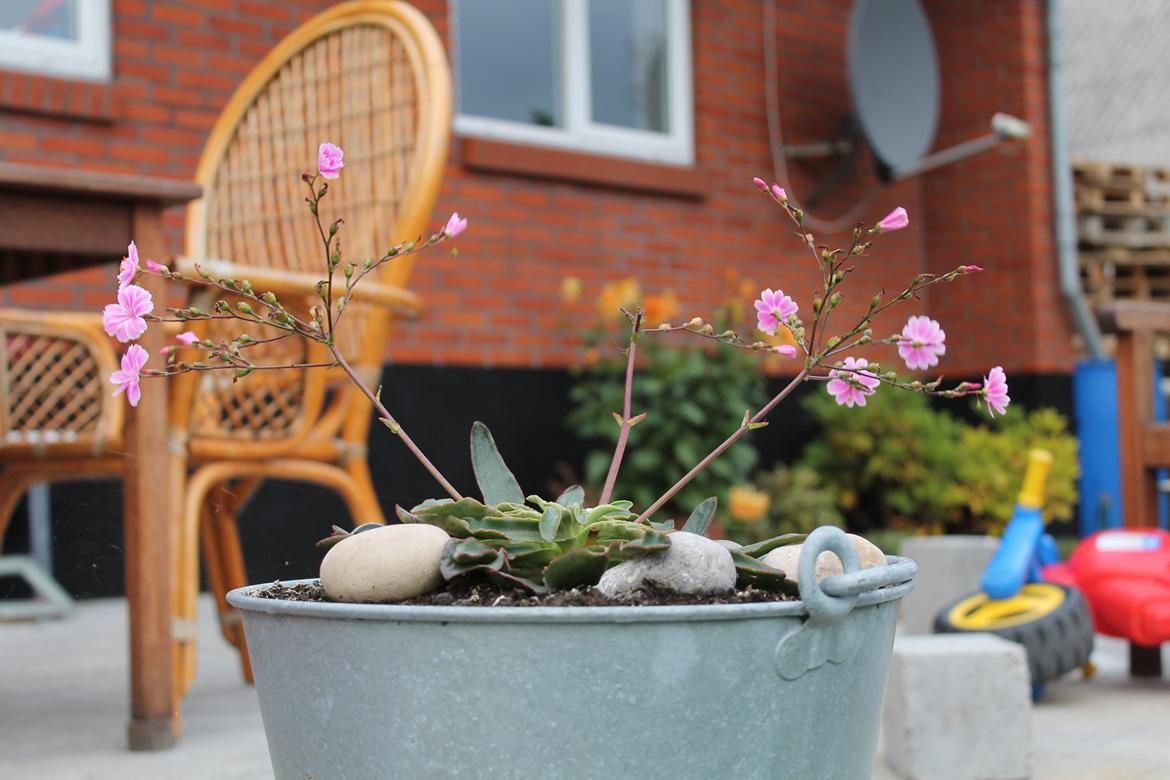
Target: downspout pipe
(1064,225)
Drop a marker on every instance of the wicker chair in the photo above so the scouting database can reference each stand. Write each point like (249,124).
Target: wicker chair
(370,76)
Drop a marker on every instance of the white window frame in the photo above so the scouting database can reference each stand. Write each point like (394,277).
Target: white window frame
(86,58)
(579,132)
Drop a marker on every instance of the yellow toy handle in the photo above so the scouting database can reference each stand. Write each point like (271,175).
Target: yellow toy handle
(1035,479)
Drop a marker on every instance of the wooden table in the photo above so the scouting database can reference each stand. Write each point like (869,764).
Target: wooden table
(63,219)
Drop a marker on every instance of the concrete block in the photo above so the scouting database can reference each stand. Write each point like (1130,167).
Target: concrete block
(948,567)
(958,707)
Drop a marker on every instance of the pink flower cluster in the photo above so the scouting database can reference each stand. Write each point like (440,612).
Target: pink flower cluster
(920,344)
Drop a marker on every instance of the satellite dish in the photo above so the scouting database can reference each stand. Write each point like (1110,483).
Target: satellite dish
(894,79)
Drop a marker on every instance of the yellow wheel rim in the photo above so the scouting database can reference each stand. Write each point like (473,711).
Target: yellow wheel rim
(980,613)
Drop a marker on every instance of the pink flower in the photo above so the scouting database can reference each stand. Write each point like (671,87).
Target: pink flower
(922,343)
(186,339)
(851,387)
(772,309)
(779,194)
(787,350)
(895,220)
(995,391)
(155,268)
(127,379)
(129,267)
(124,320)
(329,162)
(969,269)
(761,185)
(455,226)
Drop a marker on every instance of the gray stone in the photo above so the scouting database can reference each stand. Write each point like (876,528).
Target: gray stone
(693,564)
(391,563)
(949,567)
(958,707)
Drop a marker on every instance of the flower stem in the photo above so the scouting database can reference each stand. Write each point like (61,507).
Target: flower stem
(393,424)
(624,435)
(715,453)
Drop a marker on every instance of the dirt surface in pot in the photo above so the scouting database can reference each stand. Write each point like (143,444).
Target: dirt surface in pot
(488,595)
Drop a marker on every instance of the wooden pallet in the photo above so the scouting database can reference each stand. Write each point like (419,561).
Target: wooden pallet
(1102,187)
(1104,281)
(1138,231)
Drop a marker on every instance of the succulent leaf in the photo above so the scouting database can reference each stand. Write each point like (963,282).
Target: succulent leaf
(766,546)
(700,519)
(665,525)
(549,522)
(613,510)
(572,495)
(577,568)
(750,571)
(495,480)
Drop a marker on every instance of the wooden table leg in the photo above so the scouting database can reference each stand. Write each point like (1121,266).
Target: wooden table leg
(154,716)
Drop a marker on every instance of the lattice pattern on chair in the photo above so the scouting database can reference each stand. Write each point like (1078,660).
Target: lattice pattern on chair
(51,388)
(354,87)
(264,405)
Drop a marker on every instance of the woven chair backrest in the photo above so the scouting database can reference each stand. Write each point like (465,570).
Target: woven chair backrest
(371,77)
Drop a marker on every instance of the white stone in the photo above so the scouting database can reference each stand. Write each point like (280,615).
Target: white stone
(694,564)
(958,707)
(730,545)
(787,559)
(386,564)
(949,567)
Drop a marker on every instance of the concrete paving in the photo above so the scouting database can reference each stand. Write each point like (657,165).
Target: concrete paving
(63,710)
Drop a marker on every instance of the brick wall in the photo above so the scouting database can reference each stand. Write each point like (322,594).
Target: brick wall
(176,62)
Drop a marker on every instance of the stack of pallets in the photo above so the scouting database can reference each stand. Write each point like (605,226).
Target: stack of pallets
(1123,231)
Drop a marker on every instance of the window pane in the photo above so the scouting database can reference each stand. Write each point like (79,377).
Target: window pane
(510,60)
(48,18)
(628,63)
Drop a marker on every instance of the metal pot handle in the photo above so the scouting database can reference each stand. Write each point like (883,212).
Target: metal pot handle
(834,597)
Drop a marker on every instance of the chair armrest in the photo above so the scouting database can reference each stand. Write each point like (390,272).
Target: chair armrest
(54,384)
(284,282)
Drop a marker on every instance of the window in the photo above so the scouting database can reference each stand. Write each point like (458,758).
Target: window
(65,38)
(604,76)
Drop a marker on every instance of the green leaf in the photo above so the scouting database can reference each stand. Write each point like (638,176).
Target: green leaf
(665,525)
(749,571)
(766,546)
(549,522)
(651,542)
(700,519)
(495,481)
(573,495)
(465,507)
(613,511)
(577,568)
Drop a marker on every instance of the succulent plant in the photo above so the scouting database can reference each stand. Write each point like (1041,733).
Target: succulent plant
(541,546)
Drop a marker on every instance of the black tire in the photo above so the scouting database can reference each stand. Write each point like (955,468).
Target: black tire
(1057,642)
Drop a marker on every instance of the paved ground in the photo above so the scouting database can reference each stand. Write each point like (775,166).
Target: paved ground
(63,699)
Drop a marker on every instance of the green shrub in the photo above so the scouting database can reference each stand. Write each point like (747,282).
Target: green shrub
(694,399)
(904,464)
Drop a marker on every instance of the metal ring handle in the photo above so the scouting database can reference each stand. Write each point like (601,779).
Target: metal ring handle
(822,606)
(895,572)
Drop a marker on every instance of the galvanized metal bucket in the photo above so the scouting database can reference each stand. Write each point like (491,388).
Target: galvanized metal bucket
(772,690)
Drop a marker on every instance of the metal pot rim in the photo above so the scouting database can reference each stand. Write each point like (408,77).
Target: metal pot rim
(401,613)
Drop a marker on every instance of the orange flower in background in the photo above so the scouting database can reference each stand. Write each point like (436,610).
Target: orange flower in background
(570,289)
(618,295)
(660,308)
(746,504)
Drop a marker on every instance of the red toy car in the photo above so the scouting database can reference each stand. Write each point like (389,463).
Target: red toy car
(1125,575)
